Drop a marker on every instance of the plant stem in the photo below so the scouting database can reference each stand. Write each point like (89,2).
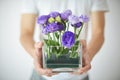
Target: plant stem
(60,37)
(67,27)
(80,30)
(75,31)
(48,46)
(54,36)
(64,24)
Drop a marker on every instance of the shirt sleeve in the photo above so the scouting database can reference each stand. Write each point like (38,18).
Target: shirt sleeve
(99,5)
(29,6)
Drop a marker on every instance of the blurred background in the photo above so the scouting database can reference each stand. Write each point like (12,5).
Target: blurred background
(16,64)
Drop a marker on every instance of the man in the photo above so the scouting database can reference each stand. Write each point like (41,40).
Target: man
(95,9)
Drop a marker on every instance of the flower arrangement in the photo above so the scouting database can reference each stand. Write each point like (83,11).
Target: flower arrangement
(60,39)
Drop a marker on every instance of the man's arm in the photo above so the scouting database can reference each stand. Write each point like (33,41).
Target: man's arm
(27,32)
(97,38)
(27,41)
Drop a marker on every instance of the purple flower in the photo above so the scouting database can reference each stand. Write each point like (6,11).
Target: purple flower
(68,39)
(84,18)
(45,30)
(66,14)
(54,14)
(42,19)
(74,21)
(77,25)
(53,27)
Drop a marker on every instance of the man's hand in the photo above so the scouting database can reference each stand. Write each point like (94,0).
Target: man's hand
(85,60)
(38,61)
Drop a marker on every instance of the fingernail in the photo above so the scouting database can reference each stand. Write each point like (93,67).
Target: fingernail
(81,71)
(37,52)
(49,72)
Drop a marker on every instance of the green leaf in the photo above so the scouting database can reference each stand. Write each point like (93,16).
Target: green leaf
(75,47)
(51,42)
(65,51)
(64,24)
(46,42)
(57,35)
(74,55)
(77,42)
(53,50)
(76,35)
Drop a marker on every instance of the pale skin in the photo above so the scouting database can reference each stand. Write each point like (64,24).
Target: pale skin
(35,49)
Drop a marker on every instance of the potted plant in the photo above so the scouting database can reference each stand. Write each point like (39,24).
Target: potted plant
(62,50)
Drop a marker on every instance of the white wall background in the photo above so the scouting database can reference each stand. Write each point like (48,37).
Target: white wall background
(106,65)
(16,64)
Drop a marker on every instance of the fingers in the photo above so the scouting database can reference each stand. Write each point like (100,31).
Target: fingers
(84,45)
(85,65)
(41,71)
(85,68)
(38,48)
(82,70)
(38,61)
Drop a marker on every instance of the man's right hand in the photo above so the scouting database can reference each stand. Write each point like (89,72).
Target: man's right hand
(38,61)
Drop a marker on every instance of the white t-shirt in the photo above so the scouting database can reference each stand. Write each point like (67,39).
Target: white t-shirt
(78,7)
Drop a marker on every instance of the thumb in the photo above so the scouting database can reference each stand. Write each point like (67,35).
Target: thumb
(38,48)
(84,45)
